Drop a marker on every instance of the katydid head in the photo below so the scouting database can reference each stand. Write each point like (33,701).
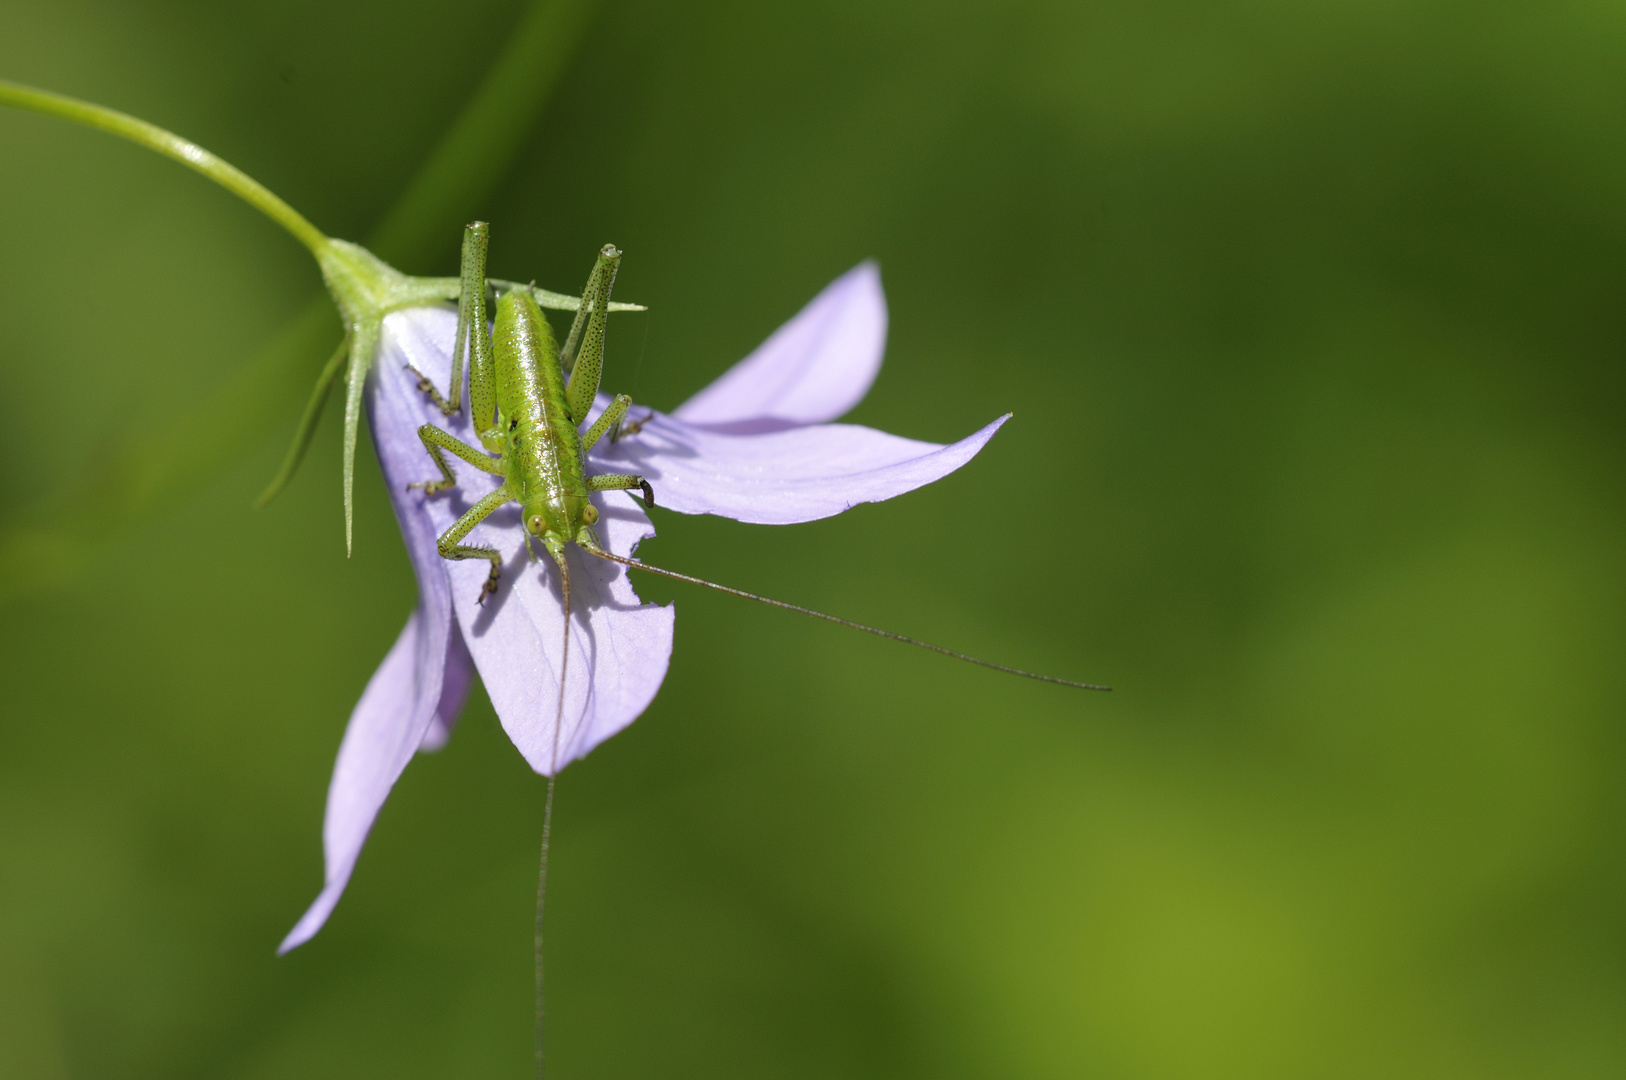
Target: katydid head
(559,520)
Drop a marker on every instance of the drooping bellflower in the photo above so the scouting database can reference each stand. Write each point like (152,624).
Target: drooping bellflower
(756,445)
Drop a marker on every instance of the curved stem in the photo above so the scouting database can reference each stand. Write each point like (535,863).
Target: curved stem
(172,146)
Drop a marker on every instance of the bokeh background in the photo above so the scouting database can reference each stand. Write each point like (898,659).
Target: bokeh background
(1311,318)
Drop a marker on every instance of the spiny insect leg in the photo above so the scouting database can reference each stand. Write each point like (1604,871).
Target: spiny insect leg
(471,310)
(573,340)
(586,365)
(611,419)
(436,440)
(622,482)
(471,319)
(450,548)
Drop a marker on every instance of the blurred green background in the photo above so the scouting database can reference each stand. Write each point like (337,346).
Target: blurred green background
(1311,318)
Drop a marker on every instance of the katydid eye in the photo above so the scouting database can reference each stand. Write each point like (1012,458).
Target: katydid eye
(535,524)
(589,514)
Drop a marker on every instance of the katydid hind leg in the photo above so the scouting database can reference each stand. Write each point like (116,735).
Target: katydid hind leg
(482,366)
(472,340)
(573,340)
(587,366)
(471,302)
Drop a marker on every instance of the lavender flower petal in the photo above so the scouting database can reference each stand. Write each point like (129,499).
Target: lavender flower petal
(386,728)
(781,477)
(454,691)
(812,369)
(414,697)
(619,647)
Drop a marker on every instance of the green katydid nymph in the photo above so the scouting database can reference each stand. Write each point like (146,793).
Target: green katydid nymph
(525,414)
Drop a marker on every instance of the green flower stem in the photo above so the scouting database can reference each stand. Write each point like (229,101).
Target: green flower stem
(172,146)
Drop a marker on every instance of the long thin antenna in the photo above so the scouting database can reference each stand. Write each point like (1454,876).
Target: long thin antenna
(541,900)
(547,832)
(636,565)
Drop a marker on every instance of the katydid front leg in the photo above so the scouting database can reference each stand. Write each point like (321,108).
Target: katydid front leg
(449,547)
(435,441)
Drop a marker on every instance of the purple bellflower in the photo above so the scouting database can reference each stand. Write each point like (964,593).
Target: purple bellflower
(756,445)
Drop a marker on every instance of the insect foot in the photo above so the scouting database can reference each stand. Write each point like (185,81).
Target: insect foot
(490,587)
(427,388)
(619,430)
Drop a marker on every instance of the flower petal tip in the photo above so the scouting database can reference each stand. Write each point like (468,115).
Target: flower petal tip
(812,369)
